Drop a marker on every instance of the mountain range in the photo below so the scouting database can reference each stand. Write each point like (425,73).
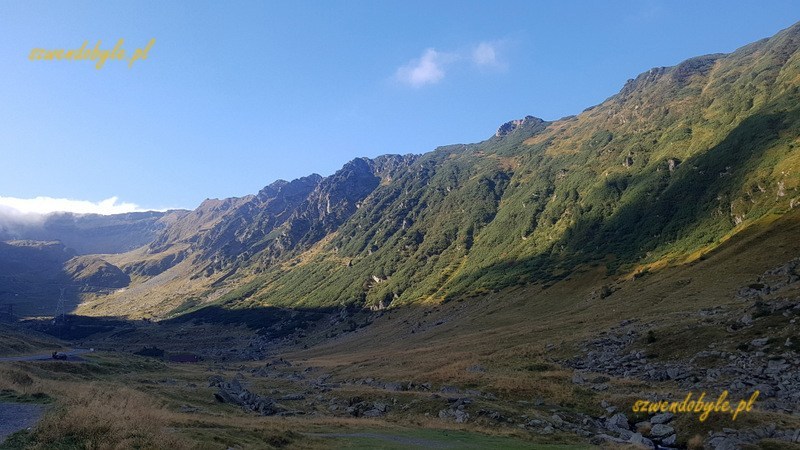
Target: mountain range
(677,162)
(528,289)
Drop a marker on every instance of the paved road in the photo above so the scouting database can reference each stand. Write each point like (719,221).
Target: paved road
(72,355)
(18,416)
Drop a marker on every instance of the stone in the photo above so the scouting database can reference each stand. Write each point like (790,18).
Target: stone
(765,390)
(759,342)
(670,440)
(728,443)
(674,373)
(638,439)
(661,418)
(660,430)
(604,438)
(382,407)
(461,416)
(372,413)
(618,421)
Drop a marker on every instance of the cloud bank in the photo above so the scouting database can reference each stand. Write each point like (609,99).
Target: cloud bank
(431,67)
(11,206)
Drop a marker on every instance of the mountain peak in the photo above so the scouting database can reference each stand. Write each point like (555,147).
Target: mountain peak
(509,127)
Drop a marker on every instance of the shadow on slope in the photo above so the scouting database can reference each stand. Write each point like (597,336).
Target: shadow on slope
(661,212)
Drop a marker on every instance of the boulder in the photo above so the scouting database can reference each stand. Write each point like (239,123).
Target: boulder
(660,430)
(618,421)
(661,418)
(638,439)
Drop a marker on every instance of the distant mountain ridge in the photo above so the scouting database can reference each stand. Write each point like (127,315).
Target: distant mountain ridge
(87,233)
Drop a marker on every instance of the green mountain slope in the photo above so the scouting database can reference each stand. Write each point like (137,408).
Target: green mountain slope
(678,161)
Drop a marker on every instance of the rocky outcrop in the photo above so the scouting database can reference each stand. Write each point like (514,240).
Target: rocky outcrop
(235,393)
(457,410)
(511,126)
(284,217)
(773,281)
(768,365)
(775,374)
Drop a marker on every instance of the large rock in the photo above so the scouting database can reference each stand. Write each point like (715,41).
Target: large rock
(618,421)
(638,439)
(661,418)
(233,392)
(660,430)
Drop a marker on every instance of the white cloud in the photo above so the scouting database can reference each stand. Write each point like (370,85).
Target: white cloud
(484,55)
(432,66)
(487,55)
(46,205)
(428,69)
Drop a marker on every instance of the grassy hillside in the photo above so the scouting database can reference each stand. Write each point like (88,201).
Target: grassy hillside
(681,159)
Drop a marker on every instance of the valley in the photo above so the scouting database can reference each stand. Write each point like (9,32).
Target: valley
(525,291)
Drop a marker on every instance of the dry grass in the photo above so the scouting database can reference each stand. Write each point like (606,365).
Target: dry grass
(113,412)
(102,417)
(92,415)
(695,443)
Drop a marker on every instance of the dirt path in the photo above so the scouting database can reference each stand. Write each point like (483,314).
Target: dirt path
(72,355)
(18,416)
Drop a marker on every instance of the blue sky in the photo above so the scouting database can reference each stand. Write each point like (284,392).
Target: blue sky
(234,95)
